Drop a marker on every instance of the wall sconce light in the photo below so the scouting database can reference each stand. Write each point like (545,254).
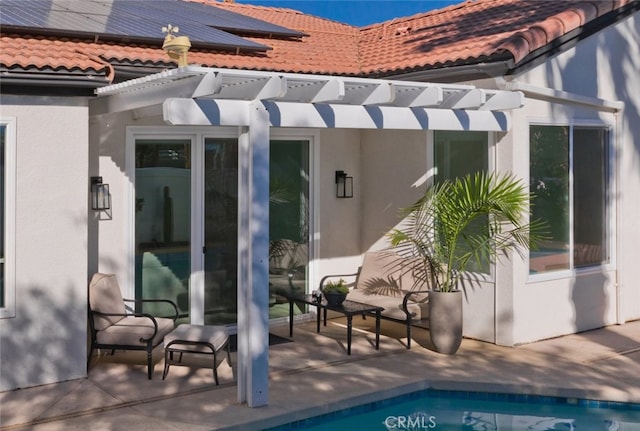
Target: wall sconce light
(100,197)
(344,185)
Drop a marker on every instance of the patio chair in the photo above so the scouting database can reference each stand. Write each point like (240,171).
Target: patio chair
(116,326)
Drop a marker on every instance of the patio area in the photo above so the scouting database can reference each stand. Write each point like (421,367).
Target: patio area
(313,375)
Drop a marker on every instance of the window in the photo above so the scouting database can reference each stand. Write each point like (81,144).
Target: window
(569,178)
(457,154)
(7,219)
(460,153)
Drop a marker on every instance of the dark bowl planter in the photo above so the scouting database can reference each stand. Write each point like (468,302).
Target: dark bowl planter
(334,298)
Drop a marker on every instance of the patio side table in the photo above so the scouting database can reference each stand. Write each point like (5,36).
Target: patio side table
(347,308)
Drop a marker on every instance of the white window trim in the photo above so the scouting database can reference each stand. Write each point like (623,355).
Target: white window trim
(9,309)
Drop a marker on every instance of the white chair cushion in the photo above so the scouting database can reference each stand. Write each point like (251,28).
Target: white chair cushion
(129,330)
(105,297)
(392,305)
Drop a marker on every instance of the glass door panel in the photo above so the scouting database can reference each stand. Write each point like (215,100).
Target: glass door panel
(220,230)
(288,227)
(289,223)
(163,223)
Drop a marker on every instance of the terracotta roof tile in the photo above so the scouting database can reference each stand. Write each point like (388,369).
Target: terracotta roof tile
(330,47)
(470,32)
(38,52)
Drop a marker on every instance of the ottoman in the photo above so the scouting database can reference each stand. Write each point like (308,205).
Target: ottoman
(200,339)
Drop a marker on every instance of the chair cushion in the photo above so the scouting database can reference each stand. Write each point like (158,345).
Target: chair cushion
(392,305)
(130,330)
(385,273)
(105,297)
(217,336)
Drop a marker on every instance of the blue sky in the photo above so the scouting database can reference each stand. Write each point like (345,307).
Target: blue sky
(357,12)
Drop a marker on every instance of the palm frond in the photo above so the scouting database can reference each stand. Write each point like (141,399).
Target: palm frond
(475,218)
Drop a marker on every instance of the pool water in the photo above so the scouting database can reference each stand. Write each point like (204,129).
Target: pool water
(454,410)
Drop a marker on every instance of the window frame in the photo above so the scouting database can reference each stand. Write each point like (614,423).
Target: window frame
(8,310)
(610,191)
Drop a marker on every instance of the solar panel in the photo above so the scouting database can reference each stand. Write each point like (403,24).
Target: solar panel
(227,20)
(138,20)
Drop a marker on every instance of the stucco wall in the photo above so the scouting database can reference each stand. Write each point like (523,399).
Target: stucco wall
(603,66)
(394,175)
(108,235)
(339,229)
(46,341)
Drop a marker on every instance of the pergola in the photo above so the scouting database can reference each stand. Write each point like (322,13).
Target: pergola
(256,101)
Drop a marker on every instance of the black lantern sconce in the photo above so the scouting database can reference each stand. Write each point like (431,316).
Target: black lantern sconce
(344,185)
(100,197)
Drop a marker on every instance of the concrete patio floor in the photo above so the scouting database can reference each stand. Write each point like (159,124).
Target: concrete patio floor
(313,375)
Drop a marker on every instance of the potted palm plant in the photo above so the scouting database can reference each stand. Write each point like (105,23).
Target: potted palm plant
(472,220)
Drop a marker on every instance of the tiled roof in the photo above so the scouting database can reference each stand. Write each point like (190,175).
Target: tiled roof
(471,32)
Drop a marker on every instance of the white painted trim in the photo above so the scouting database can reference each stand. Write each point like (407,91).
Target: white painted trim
(193,82)
(220,112)
(559,96)
(9,309)
(197,275)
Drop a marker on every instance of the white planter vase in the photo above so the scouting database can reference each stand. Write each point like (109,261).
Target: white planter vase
(445,321)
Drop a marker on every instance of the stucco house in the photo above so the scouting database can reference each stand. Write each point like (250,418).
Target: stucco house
(212,164)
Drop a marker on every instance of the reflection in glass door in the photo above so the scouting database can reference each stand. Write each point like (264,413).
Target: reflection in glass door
(163,188)
(220,230)
(288,227)
(289,223)
(163,222)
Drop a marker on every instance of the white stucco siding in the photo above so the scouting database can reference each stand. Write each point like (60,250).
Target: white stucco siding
(394,176)
(338,230)
(46,341)
(108,159)
(549,309)
(603,66)
(626,87)
(110,233)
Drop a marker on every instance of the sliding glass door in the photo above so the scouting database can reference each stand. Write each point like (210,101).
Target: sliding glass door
(166,241)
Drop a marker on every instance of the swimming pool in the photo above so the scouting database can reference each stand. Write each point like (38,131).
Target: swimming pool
(455,410)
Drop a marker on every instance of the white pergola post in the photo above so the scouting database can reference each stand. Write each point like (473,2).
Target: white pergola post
(253,259)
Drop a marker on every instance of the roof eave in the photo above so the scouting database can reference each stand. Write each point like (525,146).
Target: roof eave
(457,73)
(572,38)
(54,83)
